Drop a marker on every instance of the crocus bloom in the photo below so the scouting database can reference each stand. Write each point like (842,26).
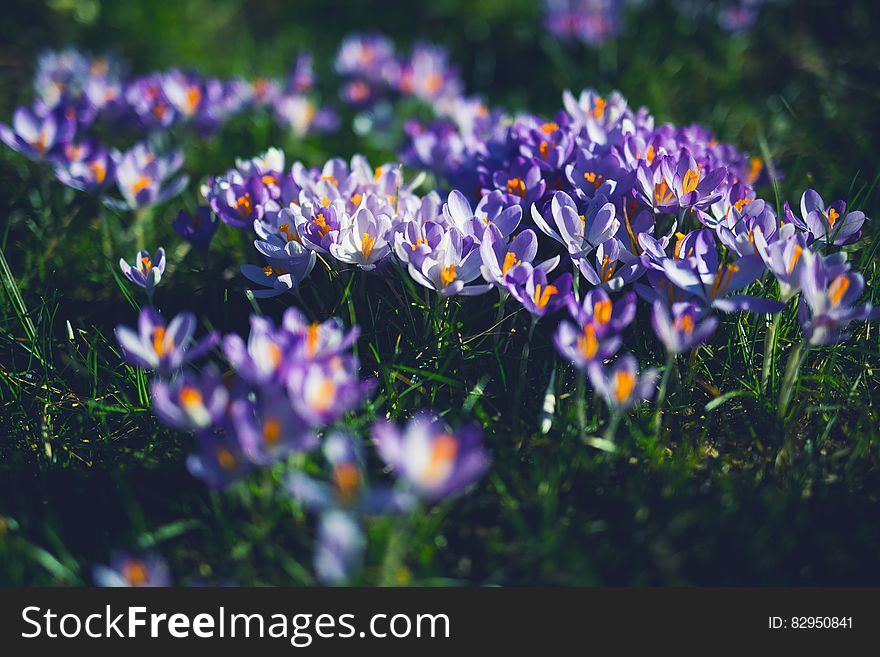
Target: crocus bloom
(268,429)
(607,316)
(529,286)
(86,167)
(681,329)
(363,241)
(339,548)
(261,360)
(147,271)
(147,570)
(316,341)
(322,393)
(190,401)
(146,178)
(499,257)
(620,383)
(579,232)
(288,264)
(833,224)
(448,269)
(674,183)
(220,460)
(37,136)
(585,345)
(433,460)
(828,303)
(155,346)
(347,487)
(197,228)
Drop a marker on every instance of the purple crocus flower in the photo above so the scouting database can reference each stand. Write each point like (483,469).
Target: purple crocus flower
(347,487)
(832,224)
(828,297)
(597,308)
(147,271)
(197,228)
(191,401)
(239,202)
(86,167)
(136,570)
(288,264)
(260,361)
(522,182)
(322,393)
(339,548)
(578,231)
(155,346)
(434,461)
(530,286)
(714,287)
(268,430)
(37,136)
(447,268)
(675,183)
(499,257)
(363,240)
(597,335)
(783,257)
(219,460)
(620,383)
(608,271)
(681,329)
(316,341)
(145,178)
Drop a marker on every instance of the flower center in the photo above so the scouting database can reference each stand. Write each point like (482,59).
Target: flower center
(367,242)
(543,294)
(602,310)
(135,572)
(517,187)
(225,458)
(243,205)
(159,345)
(723,277)
(550,127)
(833,216)
(271,431)
(624,383)
(691,179)
(443,454)
(795,256)
(684,323)
(193,98)
(321,223)
(447,275)
(347,479)
(141,184)
(190,397)
(146,264)
(510,260)
(838,289)
(587,343)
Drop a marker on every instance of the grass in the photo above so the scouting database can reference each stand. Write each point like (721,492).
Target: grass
(727,492)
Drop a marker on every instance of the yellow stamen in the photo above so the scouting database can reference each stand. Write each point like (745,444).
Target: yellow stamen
(141,183)
(193,98)
(838,288)
(608,268)
(269,180)
(587,343)
(268,271)
(624,383)
(662,193)
(331,179)
(243,205)
(542,296)
(544,149)
(594,179)
(321,223)
(99,170)
(517,187)
(419,242)
(649,154)
(723,278)
(684,323)
(356,199)
(447,275)
(312,339)
(740,204)
(833,216)
(225,458)
(159,345)
(146,264)
(691,179)
(510,260)
(444,451)
(550,127)
(135,572)
(599,109)
(190,397)
(271,431)
(326,396)
(367,242)
(284,229)
(348,480)
(602,311)
(795,256)
(756,165)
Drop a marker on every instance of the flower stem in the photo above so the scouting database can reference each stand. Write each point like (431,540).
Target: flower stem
(523,370)
(661,394)
(395,551)
(769,351)
(795,361)
(611,429)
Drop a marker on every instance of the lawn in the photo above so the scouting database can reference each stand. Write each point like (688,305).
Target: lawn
(754,460)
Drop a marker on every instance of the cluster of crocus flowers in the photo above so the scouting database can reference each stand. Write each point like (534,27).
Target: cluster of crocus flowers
(288,386)
(372,71)
(80,98)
